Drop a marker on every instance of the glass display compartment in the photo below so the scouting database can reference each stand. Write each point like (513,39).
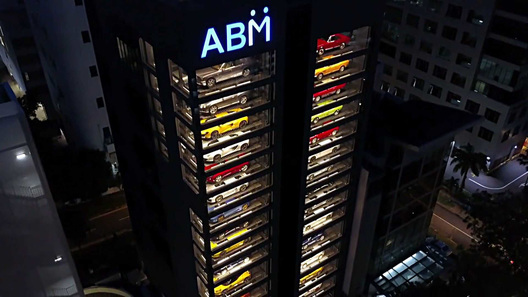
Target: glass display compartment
(236,193)
(339,70)
(324,220)
(242,281)
(323,206)
(336,93)
(227,271)
(322,118)
(201,272)
(319,289)
(229,236)
(331,135)
(179,78)
(319,240)
(236,249)
(340,44)
(319,257)
(319,273)
(328,154)
(190,179)
(238,212)
(323,174)
(196,221)
(233,74)
(325,190)
(223,179)
(198,239)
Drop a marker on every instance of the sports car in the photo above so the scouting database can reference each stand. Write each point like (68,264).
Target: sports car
(217,155)
(230,267)
(221,217)
(334,41)
(311,176)
(311,261)
(208,77)
(323,153)
(231,284)
(213,106)
(332,111)
(220,115)
(328,92)
(312,239)
(317,223)
(321,72)
(217,178)
(218,198)
(231,248)
(312,291)
(228,235)
(314,274)
(317,137)
(217,131)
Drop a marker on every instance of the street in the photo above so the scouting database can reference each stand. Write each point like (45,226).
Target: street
(450,226)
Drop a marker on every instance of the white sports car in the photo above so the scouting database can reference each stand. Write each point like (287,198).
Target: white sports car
(323,153)
(216,156)
(212,107)
(311,261)
(311,291)
(220,197)
(315,224)
(313,175)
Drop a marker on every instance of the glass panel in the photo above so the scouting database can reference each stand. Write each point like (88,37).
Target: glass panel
(343,43)
(242,281)
(337,93)
(319,223)
(330,153)
(319,289)
(185,133)
(202,288)
(230,236)
(333,134)
(181,107)
(317,274)
(238,265)
(339,70)
(201,272)
(187,156)
(314,260)
(198,239)
(231,196)
(199,255)
(327,116)
(233,250)
(239,212)
(320,240)
(179,78)
(190,178)
(326,189)
(153,82)
(160,128)
(325,205)
(232,74)
(156,105)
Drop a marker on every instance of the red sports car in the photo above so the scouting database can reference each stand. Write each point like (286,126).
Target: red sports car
(314,139)
(217,178)
(328,92)
(334,41)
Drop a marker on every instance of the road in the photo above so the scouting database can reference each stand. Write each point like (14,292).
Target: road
(450,225)
(108,223)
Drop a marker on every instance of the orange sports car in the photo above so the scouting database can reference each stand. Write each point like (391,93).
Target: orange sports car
(341,66)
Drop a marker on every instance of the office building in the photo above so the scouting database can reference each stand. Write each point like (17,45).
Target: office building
(463,54)
(238,126)
(406,156)
(35,256)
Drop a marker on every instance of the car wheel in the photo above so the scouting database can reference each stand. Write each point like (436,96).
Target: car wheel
(221,218)
(244,168)
(317,98)
(246,224)
(310,177)
(219,198)
(217,158)
(312,159)
(322,238)
(246,72)
(243,188)
(336,112)
(218,179)
(342,68)
(321,51)
(338,91)
(247,280)
(215,135)
(315,120)
(342,46)
(242,124)
(319,76)
(315,140)
(334,133)
(243,99)
(245,207)
(335,149)
(211,82)
(244,146)
(213,109)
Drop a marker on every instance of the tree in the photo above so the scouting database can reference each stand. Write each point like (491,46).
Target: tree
(465,159)
(29,104)
(451,184)
(523,160)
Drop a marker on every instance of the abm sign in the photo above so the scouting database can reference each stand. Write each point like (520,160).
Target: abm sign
(236,35)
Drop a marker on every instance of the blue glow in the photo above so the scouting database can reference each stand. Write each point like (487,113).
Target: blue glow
(217,45)
(232,36)
(253,12)
(266,9)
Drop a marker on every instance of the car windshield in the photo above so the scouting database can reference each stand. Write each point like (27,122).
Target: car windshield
(217,67)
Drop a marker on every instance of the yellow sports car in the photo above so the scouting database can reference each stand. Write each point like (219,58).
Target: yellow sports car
(341,66)
(230,248)
(243,278)
(332,111)
(216,131)
(228,235)
(221,114)
(315,273)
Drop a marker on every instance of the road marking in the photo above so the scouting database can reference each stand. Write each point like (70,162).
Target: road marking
(501,188)
(454,226)
(108,213)
(124,218)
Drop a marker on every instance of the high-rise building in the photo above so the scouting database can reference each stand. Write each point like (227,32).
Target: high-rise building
(64,42)
(238,126)
(35,256)
(467,55)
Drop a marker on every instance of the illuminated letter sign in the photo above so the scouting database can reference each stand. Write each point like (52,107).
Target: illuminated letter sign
(235,35)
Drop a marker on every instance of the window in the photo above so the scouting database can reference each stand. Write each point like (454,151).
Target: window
(444,53)
(413,20)
(485,134)
(107,136)
(463,61)
(435,91)
(453,98)
(100,102)
(416,2)
(469,39)
(439,72)
(454,11)
(472,106)
(399,92)
(387,70)
(498,73)
(505,136)
(492,115)
(512,117)
(458,80)
(422,65)
(435,5)
(418,83)
(449,32)
(147,52)
(391,32)
(409,40)
(405,58)
(93,71)
(475,18)
(393,14)
(153,82)
(481,87)
(78,2)
(426,47)
(430,26)
(402,76)
(387,49)
(385,86)
(85,36)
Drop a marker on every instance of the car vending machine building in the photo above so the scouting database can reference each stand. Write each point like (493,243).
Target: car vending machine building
(236,127)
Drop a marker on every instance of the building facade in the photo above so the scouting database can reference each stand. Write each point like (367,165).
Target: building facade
(238,127)
(467,55)
(36,259)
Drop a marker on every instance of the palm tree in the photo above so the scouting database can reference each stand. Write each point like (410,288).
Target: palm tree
(523,160)
(451,184)
(465,159)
